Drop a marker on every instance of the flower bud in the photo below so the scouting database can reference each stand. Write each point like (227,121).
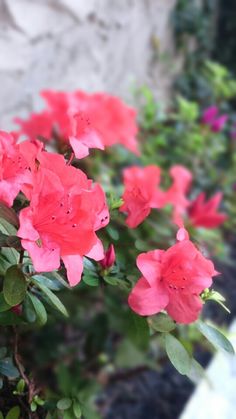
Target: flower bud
(17,309)
(109,258)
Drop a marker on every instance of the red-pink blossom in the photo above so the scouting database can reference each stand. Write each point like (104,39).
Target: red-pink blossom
(85,120)
(141,193)
(66,209)
(203,213)
(173,281)
(16,161)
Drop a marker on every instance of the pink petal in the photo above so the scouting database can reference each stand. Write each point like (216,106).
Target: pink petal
(27,230)
(97,251)
(74,267)
(80,149)
(147,300)
(184,308)
(44,259)
(150,265)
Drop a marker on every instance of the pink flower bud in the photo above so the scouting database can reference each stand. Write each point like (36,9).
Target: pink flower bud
(109,258)
(17,309)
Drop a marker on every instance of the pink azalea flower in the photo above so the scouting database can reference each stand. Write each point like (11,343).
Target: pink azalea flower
(141,193)
(203,213)
(173,281)
(86,121)
(66,209)
(15,166)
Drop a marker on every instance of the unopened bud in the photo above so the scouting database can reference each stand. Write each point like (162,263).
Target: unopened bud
(109,258)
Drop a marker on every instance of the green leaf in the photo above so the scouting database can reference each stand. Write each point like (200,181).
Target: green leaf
(14,286)
(177,354)
(8,318)
(33,406)
(49,282)
(29,310)
(39,309)
(3,304)
(52,298)
(8,369)
(20,386)
(64,404)
(217,339)
(137,329)
(14,413)
(196,372)
(111,280)
(92,281)
(161,323)
(4,261)
(77,409)
(11,254)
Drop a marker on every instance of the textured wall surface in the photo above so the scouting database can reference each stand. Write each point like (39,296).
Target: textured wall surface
(111,45)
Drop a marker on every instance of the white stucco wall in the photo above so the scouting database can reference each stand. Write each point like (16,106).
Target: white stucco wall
(111,45)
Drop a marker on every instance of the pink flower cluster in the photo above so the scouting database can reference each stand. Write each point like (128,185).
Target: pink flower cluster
(65,207)
(142,193)
(84,121)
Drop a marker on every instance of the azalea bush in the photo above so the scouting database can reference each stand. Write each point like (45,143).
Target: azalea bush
(107,237)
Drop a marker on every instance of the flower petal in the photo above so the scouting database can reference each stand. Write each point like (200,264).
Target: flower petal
(184,308)
(74,267)
(147,300)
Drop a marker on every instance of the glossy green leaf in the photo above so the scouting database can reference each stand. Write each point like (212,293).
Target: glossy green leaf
(39,309)
(52,298)
(161,323)
(92,281)
(11,254)
(64,404)
(177,354)
(3,304)
(214,336)
(14,286)
(8,369)
(77,409)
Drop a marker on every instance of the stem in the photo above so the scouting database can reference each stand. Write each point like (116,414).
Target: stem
(71,158)
(30,384)
(21,256)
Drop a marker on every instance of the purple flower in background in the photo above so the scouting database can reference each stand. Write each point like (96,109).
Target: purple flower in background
(219,123)
(210,117)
